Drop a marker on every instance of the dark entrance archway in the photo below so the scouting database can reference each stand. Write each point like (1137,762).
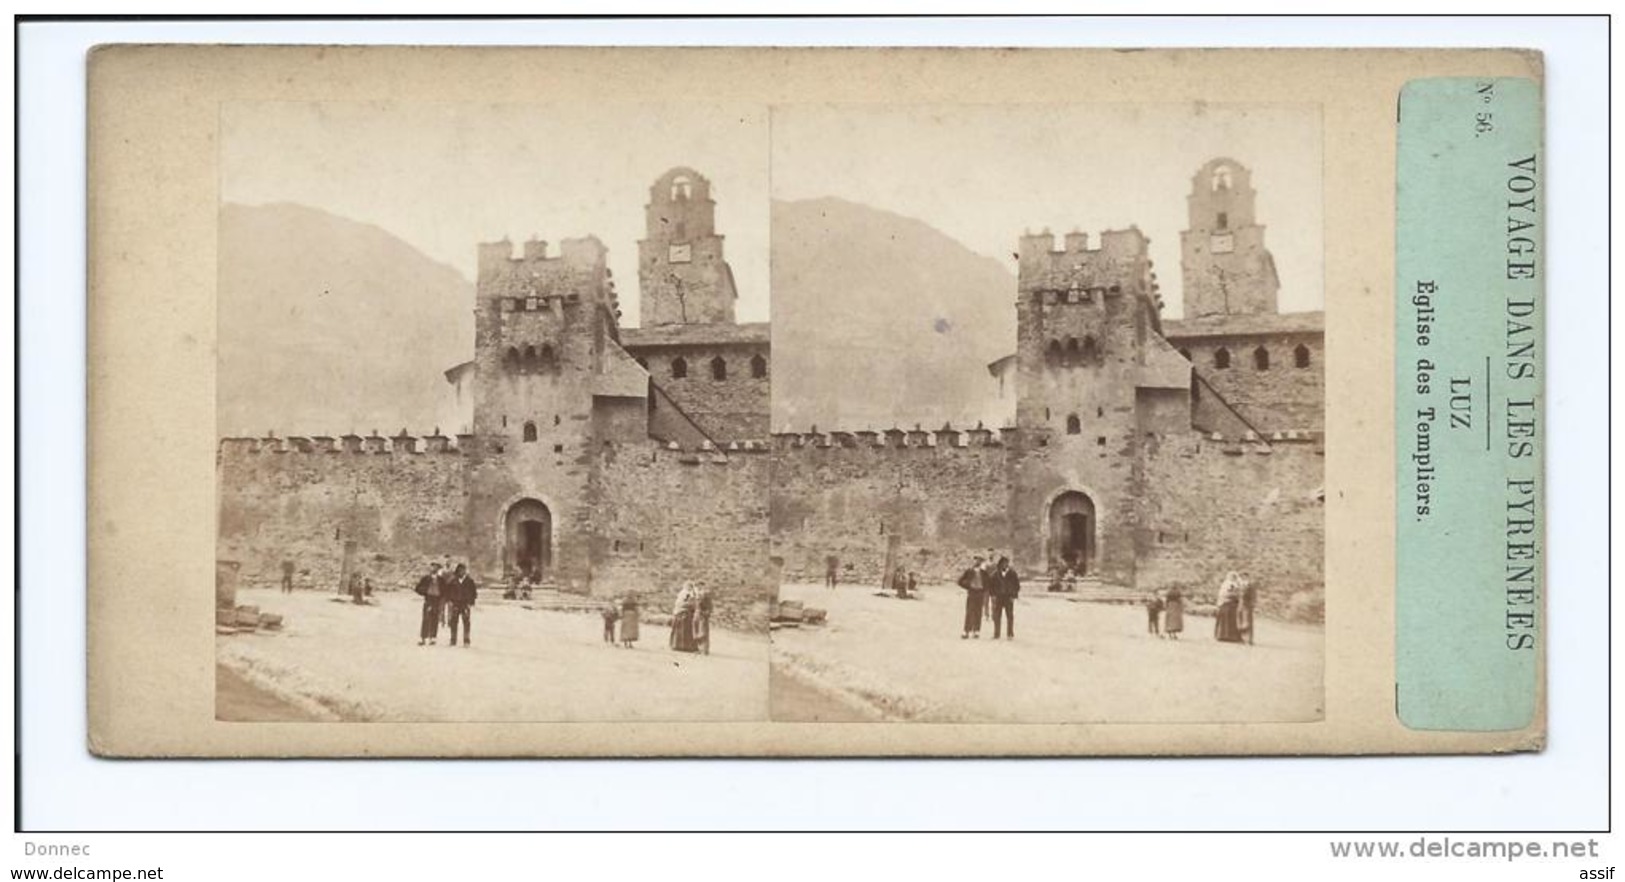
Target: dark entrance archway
(1072,532)
(528,538)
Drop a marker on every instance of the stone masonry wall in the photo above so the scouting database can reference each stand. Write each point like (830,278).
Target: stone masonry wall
(301,499)
(839,494)
(1215,506)
(733,409)
(1281,398)
(669,515)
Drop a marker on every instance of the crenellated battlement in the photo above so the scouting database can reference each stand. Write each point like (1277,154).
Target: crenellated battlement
(374,444)
(1297,441)
(708,453)
(894,439)
(1120,259)
(584,252)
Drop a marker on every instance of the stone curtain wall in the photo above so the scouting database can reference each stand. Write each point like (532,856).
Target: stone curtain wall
(401,500)
(1283,397)
(1215,506)
(946,493)
(669,515)
(733,409)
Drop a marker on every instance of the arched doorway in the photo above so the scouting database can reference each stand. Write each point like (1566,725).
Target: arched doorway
(1072,532)
(528,538)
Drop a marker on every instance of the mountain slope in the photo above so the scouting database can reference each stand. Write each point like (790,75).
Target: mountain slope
(329,326)
(881,320)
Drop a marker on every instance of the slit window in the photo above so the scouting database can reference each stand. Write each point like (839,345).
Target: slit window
(758,367)
(1261,359)
(679,367)
(1221,358)
(1300,356)
(719,368)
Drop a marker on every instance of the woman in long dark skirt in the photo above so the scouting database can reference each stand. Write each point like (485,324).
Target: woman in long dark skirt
(1225,626)
(629,621)
(1173,613)
(682,619)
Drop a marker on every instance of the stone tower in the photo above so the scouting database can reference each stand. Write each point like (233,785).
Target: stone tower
(543,326)
(682,276)
(1085,322)
(1227,269)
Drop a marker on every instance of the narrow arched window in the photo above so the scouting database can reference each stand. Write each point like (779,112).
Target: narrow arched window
(1090,350)
(527,362)
(530,431)
(1261,359)
(1074,425)
(1072,349)
(549,360)
(758,367)
(1300,356)
(1221,358)
(719,369)
(1053,353)
(511,360)
(679,367)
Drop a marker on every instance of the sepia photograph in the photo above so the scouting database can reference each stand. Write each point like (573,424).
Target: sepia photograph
(493,413)
(1041,364)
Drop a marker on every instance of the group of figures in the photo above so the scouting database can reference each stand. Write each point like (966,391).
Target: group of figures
(1233,618)
(448,598)
(690,621)
(990,589)
(357,586)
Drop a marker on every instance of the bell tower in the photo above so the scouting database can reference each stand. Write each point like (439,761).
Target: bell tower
(682,276)
(1227,269)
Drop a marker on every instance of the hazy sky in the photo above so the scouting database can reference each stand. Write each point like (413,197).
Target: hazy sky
(445,177)
(983,174)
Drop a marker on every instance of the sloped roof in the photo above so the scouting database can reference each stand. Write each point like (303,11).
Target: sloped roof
(456,372)
(623,377)
(1164,368)
(718,334)
(1246,325)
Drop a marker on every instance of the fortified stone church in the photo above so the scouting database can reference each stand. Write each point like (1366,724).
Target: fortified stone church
(1141,452)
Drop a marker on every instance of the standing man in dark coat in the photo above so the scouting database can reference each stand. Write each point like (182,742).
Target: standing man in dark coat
(973,581)
(1005,587)
(428,588)
(460,594)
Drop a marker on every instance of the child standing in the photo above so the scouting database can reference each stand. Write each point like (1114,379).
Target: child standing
(1153,614)
(611,613)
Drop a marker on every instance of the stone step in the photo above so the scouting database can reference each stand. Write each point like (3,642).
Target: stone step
(1089,590)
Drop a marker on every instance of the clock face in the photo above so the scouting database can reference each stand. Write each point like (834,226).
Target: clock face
(1223,243)
(680,254)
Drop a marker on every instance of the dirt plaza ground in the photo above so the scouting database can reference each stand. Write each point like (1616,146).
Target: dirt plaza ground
(337,661)
(883,658)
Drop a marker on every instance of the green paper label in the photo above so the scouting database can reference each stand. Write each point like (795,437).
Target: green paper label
(1469,338)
